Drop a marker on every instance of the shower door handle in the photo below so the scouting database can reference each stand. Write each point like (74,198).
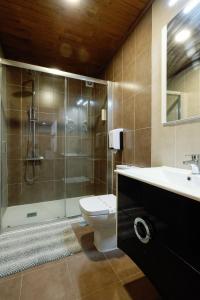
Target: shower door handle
(4,147)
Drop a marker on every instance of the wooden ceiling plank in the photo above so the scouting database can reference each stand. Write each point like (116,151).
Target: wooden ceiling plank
(53,32)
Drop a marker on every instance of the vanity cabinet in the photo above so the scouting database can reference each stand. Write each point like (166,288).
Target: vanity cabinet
(160,231)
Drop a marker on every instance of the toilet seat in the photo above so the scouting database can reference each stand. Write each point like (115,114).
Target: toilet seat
(99,205)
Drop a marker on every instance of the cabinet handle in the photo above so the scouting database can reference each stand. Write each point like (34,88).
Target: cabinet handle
(142,230)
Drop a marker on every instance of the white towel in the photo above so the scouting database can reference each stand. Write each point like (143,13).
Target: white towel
(114,138)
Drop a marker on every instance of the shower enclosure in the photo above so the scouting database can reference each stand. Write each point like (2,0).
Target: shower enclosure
(53,142)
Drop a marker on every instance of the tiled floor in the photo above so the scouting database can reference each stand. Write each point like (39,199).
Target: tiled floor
(88,275)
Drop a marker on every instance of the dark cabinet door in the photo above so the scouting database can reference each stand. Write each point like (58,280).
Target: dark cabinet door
(160,231)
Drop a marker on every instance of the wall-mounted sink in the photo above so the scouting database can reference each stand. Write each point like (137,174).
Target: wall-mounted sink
(176,180)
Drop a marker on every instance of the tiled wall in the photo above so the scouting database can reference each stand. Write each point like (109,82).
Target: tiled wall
(130,70)
(171,143)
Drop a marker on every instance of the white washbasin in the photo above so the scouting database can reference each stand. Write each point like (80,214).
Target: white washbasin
(176,180)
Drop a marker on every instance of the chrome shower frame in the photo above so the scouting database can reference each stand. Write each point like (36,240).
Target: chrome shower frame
(52,71)
(58,72)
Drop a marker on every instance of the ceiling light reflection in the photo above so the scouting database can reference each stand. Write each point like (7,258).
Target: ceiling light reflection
(73,1)
(80,101)
(191,52)
(182,36)
(172,2)
(190,6)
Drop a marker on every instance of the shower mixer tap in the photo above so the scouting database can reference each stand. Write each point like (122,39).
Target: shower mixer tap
(31,154)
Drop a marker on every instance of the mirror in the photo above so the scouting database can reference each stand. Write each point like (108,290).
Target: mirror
(182,65)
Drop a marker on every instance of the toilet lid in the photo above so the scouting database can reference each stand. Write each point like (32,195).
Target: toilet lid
(98,205)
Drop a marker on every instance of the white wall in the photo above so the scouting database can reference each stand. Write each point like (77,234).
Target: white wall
(169,144)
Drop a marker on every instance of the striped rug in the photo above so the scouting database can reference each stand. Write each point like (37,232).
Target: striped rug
(23,249)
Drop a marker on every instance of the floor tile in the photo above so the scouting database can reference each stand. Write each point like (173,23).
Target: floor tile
(114,291)
(138,290)
(123,266)
(48,284)
(90,271)
(10,288)
(85,236)
(16,275)
(142,289)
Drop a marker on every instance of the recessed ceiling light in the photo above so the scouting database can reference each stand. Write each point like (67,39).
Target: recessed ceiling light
(172,2)
(73,1)
(182,36)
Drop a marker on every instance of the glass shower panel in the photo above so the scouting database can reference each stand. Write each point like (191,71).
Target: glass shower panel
(35,143)
(56,149)
(86,143)
(3,137)
(99,125)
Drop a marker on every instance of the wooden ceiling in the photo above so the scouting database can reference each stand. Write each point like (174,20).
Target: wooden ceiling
(76,37)
(181,56)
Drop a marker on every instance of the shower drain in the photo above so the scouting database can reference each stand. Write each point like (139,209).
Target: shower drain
(32,214)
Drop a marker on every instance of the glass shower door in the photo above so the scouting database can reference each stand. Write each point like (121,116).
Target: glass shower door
(35,120)
(86,143)
(3,149)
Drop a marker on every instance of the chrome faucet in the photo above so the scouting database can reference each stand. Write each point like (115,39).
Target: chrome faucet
(194,162)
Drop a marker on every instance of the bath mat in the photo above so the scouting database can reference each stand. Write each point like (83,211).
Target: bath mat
(20,250)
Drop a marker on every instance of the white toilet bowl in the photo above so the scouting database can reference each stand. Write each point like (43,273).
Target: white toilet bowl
(100,213)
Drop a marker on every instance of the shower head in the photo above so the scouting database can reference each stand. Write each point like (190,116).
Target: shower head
(23,93)
(26,91)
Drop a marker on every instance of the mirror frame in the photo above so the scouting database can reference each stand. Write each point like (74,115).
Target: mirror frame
(164,121)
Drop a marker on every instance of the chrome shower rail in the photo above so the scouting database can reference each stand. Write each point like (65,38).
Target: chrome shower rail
(50,71)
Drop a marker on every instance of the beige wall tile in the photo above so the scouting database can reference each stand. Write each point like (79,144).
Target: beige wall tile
(128,152)
(143,67)
(143,147)
(130,70)
(128,114)
(143,33)
(187,142)
(129,51)
(163,146)
(143,110)
(117,106)
(117,66)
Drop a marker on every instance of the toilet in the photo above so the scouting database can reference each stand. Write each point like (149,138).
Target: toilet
(100,213)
